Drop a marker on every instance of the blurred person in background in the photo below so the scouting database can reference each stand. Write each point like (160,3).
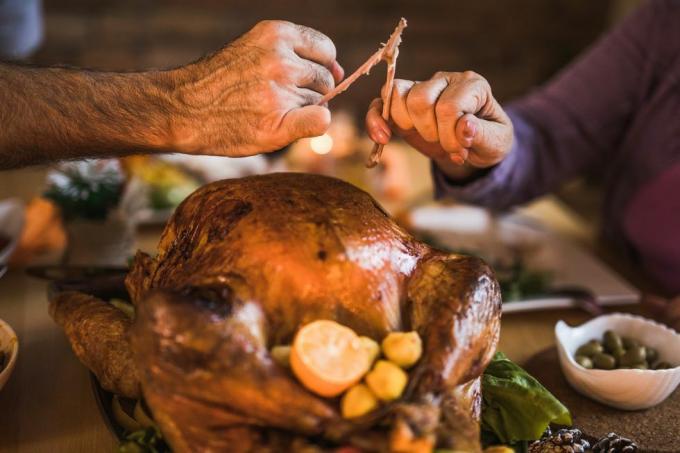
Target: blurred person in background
(21,28)
(614,111)
(257,94)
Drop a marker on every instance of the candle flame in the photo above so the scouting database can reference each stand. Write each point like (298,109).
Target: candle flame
(321,144)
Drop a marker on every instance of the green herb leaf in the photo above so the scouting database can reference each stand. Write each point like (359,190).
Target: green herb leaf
(516,406)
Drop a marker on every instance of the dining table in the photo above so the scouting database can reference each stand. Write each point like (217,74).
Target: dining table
(48,404)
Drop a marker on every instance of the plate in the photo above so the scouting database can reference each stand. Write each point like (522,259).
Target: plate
(104,400)
(496,237)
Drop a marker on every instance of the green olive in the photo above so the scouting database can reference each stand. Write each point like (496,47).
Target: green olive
(633,356)
(651,354)
(618,353)
(584,361)
(641,366)
(604,361)
(590,349)
(629,342)
(663,366)
(612,341)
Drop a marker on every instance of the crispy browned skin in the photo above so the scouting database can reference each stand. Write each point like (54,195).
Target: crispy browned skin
(244,263)
(98,333)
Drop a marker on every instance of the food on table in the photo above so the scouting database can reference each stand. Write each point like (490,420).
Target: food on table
(499,449)
(562,441)
(357,401)
(518,282)
(612,341)
(168,184)
(584,361)
(43,232)
(616,351)
(386,380)
(613,443)
(225,261)
(98,333)
(281,355)
(590,349)
(516,407)
(372,347)
(244,263)
(328,358)
(403,348)
(88,189)
(148,440)
(124,306)
(122,418)
(142,417)
(604,361)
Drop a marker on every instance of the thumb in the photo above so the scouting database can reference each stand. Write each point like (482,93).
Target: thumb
(489,141)
(307,121)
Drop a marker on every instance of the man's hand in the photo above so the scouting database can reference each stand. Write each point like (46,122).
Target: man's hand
(257,94)
(452,118)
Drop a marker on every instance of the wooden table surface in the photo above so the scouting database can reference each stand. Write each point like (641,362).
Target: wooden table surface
(48,405)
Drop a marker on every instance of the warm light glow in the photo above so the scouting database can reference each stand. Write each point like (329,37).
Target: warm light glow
(321,144)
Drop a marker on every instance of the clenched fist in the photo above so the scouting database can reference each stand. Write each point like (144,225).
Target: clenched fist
(257,94)
(452,118)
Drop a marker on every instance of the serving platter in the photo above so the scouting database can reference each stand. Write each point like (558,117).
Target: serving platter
(104,401)
(495,238)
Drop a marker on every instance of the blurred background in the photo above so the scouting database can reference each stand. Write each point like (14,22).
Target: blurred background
(516,45)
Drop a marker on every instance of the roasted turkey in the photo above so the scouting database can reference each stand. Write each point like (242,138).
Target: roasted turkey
(242,265)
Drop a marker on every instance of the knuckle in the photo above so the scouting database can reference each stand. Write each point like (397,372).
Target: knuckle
(279,67)
(318,41)
(470,75)
(417,102)
(273,28)
(440,75)
(272,95)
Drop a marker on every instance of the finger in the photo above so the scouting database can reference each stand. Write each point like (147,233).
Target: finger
(421,101)
(315,77)
(307,121)
(399,111)
(305,96)
(377,127)
(313,45)
(489,140)
(456,100)
(459,156)
(337,71)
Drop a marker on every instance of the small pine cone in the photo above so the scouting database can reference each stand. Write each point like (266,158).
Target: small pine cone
(562,441)
(613,443)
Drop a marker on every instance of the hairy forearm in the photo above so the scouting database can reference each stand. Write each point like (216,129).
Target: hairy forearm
(49,114)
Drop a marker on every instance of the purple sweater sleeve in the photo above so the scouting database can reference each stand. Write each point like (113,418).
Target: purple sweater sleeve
(575,121)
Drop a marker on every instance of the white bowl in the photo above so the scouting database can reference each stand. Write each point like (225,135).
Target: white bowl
(9,344)
(629,389)
(11,224)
